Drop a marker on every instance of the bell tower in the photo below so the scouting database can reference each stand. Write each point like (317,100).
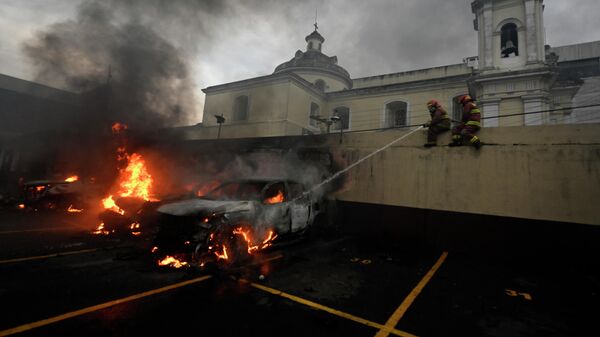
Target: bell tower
(510,33)
(513,77)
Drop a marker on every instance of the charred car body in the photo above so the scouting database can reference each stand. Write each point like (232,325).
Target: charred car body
(234,220)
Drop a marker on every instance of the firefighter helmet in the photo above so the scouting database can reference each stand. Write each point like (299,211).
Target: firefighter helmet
(433,102)
(464,99)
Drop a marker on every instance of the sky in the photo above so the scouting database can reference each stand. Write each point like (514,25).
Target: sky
(229,40)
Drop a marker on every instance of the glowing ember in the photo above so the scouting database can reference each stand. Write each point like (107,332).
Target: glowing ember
(135,228)
(40,188)
(275,199)
(118,127)
(101,230)
(172,262)
(110,204)
(223,255)
(72,179)
(154,249)
(21,206)
(71,209)
(207,188)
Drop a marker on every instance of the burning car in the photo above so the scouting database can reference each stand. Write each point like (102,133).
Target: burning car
(233,221)
(54,194)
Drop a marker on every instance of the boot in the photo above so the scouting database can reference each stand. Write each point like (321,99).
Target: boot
(476,142)
(456,141)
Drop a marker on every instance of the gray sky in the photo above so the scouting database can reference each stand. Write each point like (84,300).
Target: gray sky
(229,40)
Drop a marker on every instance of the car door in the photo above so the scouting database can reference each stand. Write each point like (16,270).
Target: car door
(299,205)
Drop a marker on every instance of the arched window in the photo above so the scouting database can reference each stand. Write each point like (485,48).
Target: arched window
(344,114)
(509,40)
(320,84)
(240,108)
(396,114)
(315,111)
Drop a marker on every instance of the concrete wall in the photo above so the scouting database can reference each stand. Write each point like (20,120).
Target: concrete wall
(537,172)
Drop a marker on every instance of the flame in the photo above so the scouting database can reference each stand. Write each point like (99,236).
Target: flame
(275,199)
(245,233)
(172,262)
(74,210)
(72,179)
(135,179)
(154,249)
(21,206)
(109,203)
(222,256)
(118,127)
(101,230)
(40,188)
(207,188)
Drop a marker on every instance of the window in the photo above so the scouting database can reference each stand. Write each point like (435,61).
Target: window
(315,111)
(509,40)
(240,108)
(344,114)
(395,114)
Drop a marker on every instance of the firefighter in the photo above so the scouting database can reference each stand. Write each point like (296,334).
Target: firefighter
(470,124)
(439,123)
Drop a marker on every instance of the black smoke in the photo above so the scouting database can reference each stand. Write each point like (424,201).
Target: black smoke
(125,69)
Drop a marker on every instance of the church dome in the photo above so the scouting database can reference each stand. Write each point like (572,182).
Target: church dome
(313,60)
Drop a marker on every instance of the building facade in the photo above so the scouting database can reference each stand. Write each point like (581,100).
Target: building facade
(516,78)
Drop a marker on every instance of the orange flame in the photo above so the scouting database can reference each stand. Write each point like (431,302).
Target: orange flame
(245,233)
(222,256)
(275,199)
(135,179)
(74,210)
(154,249)
(72,179)
(172,262)
(118,127)
(21,206)
(109,203)
(40,188)
(101,230)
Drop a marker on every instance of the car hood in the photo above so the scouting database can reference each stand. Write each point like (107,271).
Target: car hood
(195,206)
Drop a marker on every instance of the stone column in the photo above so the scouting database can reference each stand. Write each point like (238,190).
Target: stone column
(531,33)
(532,104)
(488,45)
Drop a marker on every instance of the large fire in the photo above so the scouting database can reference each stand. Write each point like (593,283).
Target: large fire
(109,203)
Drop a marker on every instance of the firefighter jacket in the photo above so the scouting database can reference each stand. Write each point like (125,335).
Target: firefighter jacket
(438,116)
(471,114)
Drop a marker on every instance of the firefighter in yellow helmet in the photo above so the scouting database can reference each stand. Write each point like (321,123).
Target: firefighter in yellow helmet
(470,124)
(439,123)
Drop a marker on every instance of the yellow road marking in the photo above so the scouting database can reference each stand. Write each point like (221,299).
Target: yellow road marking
(21,259)
(48,229)
(397,315)
(329,310)
(87,310)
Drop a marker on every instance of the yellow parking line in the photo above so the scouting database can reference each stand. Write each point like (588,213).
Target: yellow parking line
(48,229)
(29,326)
(21,259)
(329,310)
(397,315)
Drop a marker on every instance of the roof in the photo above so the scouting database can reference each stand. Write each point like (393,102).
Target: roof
(316,61)
(315,35)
